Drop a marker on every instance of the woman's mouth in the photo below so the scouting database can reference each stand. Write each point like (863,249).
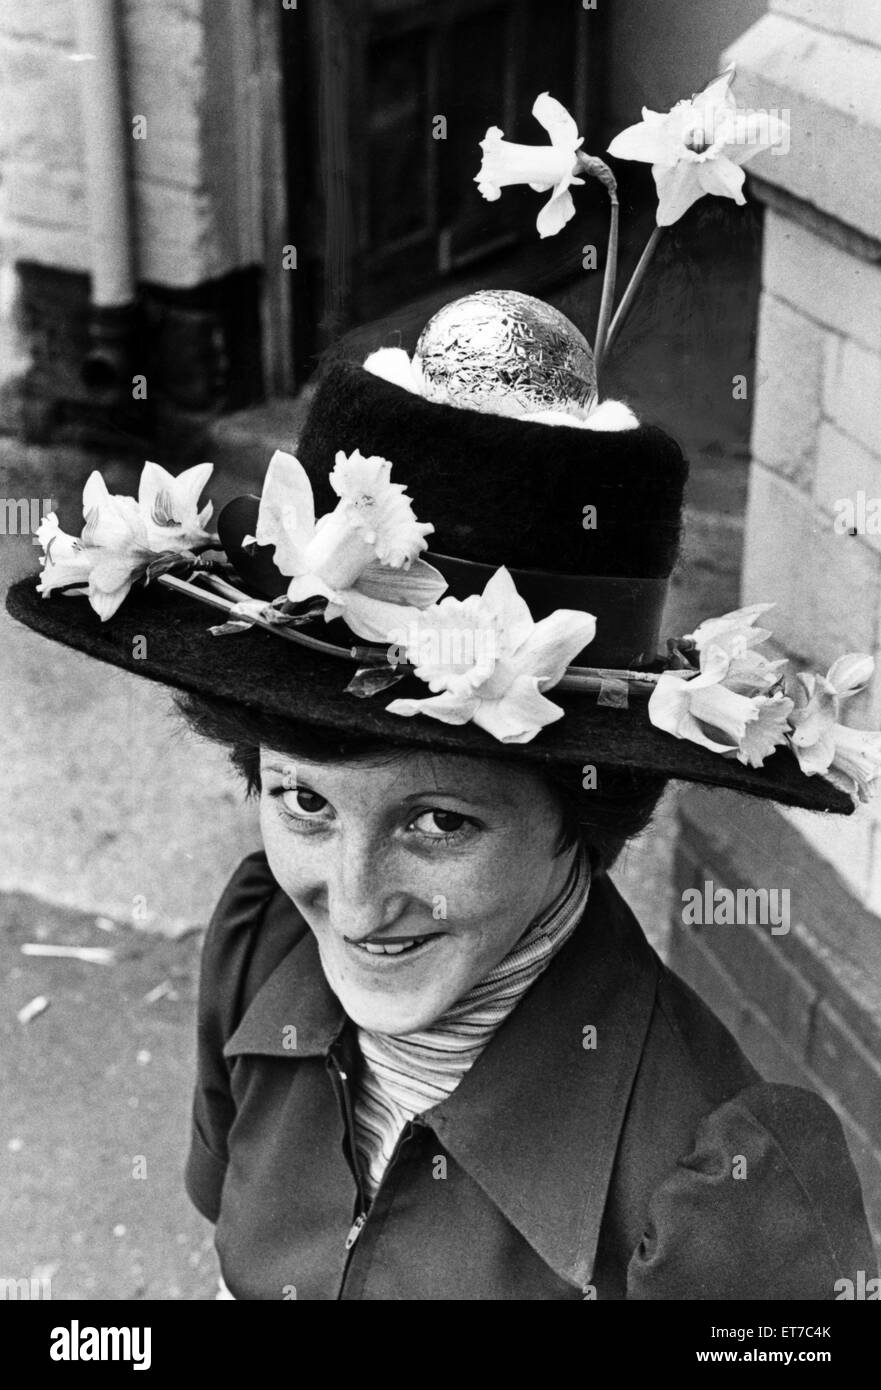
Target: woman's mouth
(400,946)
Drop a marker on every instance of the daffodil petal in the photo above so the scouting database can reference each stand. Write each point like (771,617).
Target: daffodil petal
(850,674)
(62,574)
(556,120)
(554,643)
(678,188)
(375,620)
(755,132)
(715,662)
(109,572)
(154,480)
(95,492)
(857,759)
(448,708)
(420,585)
(519,715)
(309,586)
(105,596)
(816,757)
(393,364)
(509,610)
(723,178)
(717,92)
(557,211)
(647,142)
(189,485)
(286,517)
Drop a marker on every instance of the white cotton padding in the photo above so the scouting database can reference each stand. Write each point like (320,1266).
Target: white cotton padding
(611,416)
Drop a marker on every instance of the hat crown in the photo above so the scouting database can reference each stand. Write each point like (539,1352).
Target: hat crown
(508,492)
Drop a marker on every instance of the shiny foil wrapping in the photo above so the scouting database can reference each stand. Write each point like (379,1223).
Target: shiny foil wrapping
(506,353)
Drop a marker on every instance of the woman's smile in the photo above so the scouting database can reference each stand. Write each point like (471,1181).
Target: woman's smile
(416,875)
(393,948)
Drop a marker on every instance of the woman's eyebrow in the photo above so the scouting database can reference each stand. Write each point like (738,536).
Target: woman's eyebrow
(283,765)
(429,792)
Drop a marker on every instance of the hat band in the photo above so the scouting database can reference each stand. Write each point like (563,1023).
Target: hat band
(628,611)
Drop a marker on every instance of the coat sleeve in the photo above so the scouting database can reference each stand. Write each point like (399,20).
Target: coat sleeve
(230,962)
(767,1205)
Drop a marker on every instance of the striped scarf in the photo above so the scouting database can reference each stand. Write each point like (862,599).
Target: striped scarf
(403,1076)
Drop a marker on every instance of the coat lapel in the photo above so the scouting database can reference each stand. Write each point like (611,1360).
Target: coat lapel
(537,1120)
(296,994)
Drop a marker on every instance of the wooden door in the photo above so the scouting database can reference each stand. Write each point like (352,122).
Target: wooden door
(386,103)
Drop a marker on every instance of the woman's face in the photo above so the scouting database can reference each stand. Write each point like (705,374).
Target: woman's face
(416,876)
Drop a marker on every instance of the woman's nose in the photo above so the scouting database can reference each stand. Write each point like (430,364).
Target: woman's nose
(363,897)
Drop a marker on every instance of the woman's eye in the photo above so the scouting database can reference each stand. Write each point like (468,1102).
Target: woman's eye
(304,802)
(440,823)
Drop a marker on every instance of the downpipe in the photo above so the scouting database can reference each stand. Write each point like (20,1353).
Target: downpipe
(113,312)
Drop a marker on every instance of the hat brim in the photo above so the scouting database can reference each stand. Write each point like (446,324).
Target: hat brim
(261,673)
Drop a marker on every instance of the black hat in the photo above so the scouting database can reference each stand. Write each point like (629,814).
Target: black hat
(499,492)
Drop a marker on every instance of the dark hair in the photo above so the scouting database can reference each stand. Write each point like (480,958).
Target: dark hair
(603,818)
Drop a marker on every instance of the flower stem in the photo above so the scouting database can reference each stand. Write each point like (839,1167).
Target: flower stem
(610,274)
(216,600)
(597,169)
(630,293)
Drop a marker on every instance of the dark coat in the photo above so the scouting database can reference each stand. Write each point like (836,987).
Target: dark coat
(654,1164)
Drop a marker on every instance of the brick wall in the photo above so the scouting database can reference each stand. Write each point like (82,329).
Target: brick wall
(179,69)
(803,1003)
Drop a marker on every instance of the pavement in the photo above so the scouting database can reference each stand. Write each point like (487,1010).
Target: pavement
(122,829)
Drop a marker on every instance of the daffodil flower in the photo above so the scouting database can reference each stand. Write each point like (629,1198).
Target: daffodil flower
(123,539)
(362,556)
(170,507)
(817,705)
(703,710)
(750,673)
(734,632)
(66,562)
(488,662)
(542,167)
(856,761)
(699,147)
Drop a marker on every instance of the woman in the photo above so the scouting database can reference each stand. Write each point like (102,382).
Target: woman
(437,1057)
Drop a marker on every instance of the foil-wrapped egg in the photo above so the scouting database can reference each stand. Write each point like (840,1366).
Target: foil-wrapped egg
(506,353)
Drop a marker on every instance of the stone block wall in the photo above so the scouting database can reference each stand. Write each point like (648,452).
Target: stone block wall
(806,1005)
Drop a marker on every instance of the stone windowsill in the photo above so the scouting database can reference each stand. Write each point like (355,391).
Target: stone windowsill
(830,86)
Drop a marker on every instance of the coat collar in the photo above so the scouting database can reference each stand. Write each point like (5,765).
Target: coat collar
(537,1120)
